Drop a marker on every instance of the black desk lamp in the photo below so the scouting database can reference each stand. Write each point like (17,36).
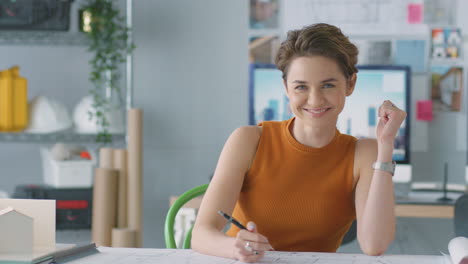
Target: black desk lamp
(444,186)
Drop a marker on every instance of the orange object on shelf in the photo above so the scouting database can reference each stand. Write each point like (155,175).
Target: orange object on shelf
(13,101)
(85,155)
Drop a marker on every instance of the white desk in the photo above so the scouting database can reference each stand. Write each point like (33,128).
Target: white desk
(175,256)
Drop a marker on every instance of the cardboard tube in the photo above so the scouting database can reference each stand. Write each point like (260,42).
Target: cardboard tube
(124,237)
(120,164)
(104,205)
(106,159)
(135,150)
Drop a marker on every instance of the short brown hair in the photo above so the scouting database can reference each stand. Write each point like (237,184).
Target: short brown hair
(318,39)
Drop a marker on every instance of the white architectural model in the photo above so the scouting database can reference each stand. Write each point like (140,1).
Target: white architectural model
(17,232)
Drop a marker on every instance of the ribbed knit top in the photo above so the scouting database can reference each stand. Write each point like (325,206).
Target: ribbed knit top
(301,198)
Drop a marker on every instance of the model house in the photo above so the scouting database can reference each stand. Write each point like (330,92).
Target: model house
(17,231)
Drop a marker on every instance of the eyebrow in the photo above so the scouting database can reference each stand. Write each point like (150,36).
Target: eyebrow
(324,81)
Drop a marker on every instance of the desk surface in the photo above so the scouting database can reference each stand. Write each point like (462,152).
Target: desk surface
(172,256)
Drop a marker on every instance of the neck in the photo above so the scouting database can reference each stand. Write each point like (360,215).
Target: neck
(312,136)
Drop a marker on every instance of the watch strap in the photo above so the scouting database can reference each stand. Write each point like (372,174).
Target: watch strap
(385,166)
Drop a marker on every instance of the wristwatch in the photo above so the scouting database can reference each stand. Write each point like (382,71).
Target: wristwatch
(385,166)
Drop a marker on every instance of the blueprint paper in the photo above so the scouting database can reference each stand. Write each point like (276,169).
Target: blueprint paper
(171,256)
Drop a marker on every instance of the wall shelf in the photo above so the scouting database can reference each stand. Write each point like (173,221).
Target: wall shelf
(63,136)
(46,38)
(65,38)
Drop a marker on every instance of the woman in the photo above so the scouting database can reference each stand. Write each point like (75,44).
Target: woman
(301,182)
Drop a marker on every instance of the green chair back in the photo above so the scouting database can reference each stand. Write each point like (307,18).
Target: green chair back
(171,214)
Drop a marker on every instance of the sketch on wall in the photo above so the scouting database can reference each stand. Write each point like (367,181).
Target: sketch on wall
(347,14)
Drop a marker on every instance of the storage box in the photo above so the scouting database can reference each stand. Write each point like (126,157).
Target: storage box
(69,173)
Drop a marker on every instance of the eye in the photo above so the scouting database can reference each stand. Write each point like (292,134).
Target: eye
(328,85)
(300,87)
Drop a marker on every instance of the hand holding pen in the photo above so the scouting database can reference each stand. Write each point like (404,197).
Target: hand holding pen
(250,246)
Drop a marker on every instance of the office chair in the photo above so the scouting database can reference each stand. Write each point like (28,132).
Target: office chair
(200,190)
(461,216)
(171,214)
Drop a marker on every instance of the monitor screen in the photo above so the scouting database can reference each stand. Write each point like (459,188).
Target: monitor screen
(374,84)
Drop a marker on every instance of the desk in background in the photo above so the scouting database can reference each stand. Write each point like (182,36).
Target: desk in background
(421,204)
(146,255)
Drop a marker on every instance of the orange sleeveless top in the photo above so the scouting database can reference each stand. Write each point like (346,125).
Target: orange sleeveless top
(301,198)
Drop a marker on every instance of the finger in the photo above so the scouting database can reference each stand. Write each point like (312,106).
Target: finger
(258,246)
(385,108)
(250,258)
(251,236)
(250,249)
(251,226)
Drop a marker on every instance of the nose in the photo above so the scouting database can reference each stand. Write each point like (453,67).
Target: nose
(315,98)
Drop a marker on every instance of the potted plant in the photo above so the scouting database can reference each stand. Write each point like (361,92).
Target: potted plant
(107,34)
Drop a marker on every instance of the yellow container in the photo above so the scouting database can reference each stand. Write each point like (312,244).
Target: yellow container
(13,101)
(20,100)
(6,101)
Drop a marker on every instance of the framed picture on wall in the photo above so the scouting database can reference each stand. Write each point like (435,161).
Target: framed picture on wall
(447,88)
(263,49)
(264,14)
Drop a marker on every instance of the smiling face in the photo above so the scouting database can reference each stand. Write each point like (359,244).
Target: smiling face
(317,88)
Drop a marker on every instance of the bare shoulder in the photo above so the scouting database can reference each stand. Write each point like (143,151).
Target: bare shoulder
(251,131)
(242,144)
(247,134)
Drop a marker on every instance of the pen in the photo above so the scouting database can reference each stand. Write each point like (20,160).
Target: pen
(231,219)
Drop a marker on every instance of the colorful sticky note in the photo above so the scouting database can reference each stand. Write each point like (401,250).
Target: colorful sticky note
(415,13)
(424,110)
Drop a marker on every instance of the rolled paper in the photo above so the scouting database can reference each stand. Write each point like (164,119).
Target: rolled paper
(135,150)
(124,237)
(104,205)
(120,164)
(106,159)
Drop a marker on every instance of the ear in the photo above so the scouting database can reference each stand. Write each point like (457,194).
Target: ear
(351,84)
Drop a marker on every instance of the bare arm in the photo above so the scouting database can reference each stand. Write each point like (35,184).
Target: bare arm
(374,197)
(374,202)
(222,194)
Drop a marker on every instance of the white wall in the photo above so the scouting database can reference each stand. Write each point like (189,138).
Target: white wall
(191,66)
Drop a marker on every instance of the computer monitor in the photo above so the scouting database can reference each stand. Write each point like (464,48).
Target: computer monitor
(268,101)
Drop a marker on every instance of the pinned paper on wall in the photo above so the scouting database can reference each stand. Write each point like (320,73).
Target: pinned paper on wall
(424,110)
(415,13)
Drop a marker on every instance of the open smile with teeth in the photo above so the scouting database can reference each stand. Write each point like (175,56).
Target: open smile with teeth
(317,111)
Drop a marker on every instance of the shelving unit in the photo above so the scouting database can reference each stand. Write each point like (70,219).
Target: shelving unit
(42,38)
(70,137)
(66,38)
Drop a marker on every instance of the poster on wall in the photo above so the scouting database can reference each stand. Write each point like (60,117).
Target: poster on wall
(447,88)
(446,43)
(263,49)
(264,14)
